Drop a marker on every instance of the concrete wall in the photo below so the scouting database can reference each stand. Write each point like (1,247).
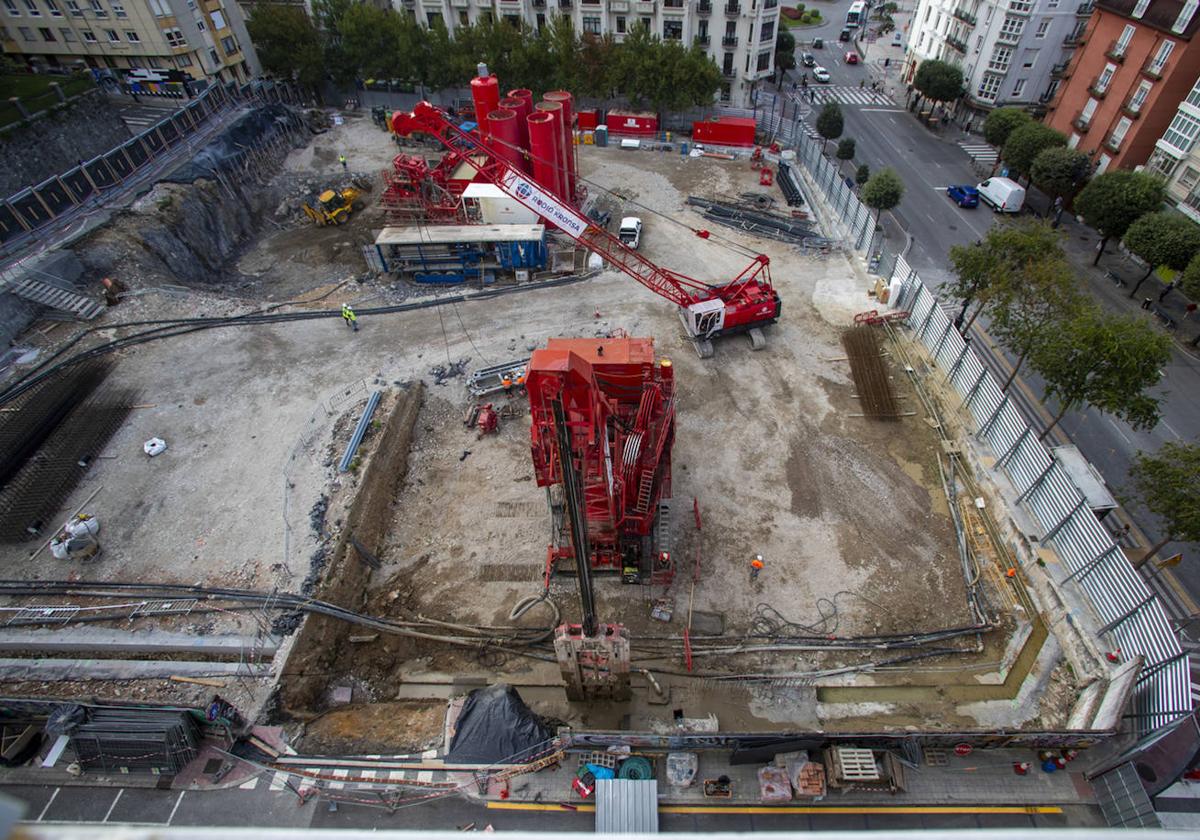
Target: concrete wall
(55,142)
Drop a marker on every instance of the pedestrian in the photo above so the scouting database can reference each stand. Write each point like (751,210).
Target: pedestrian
(1058,211)
(862,83)
(1188,310)
(1166,291)
(342,161)
(1146,303)
(756,566)
(349,317)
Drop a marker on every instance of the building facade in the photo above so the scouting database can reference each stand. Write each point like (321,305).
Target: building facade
(739,35)
(1123,91)
(1176,156)
(1011,52)
(204,40)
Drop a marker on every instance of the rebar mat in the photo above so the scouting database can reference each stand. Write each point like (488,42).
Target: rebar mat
(870,374)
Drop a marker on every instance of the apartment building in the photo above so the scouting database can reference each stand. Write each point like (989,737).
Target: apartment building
(1176,155)
(1011,52)
(739,35)
(1123,91)
(205,40)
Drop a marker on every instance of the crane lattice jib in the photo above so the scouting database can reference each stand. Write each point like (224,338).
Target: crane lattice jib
(677,288)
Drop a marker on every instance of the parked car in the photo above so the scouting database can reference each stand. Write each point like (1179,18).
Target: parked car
(630,233)
(818,43)
(852,58)
(808,60)
(1004,195)
(821,74)
(845,35)
(962,195)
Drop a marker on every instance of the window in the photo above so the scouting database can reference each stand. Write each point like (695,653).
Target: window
(73,8)
(1105,78)
(46,34)
(1073,140)
(212,55)
(1139,9)
(201,26)
(432,18)
(159,8)
(1000,59)
(591,24)
(26,32)
(182,61)
(1139,97)
(1189,177)
(764,61)
(1012,28)
(98,9)
(11,5)
(53,7)
(218,19)
(1029,59)
(672,30)
(1122,44)
(1160,58)
(229,45)
(155,64)
(118,9)
(768,31)
(1114,139)
(1181,133)
(1018,88)
(1193,98)
(89,37)
(1185,16)
(621,24)
(132,37)
(1043,25)
(1162,163)
(1085,116)
(989,86)
(174,37)
(34,11)
(67,35)
(1105,160)
(1020,6)
(647,22)
(112,35)
(464,19)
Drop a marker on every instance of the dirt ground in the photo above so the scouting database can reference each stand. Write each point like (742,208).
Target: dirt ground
(847,512)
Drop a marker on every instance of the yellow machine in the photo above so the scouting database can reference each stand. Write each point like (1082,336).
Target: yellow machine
(333,207)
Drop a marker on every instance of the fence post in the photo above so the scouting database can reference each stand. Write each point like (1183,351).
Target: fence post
(58,91)
(1036,483)
(1058,526)
(1000,462)
(16,102)
(974,388)
(983,430)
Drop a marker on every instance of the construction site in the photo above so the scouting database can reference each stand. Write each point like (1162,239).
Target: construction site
(385,411)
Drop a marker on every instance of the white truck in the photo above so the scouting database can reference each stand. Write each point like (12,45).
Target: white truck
(630,232)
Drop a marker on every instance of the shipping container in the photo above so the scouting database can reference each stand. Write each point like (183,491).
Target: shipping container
(725,131)
(632,124)
(588,118)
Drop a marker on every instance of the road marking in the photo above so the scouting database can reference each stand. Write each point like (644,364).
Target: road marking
(176,808)
(425,776)
(795,809)
(340,773)
(116,799)
(1172,431)
(881,110)
(53,796)
(280,779)
(1118,428)
(250,784)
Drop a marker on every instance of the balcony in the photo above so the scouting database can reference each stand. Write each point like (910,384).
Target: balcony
(728,72)
(1153,70)
(1133,108)
(672,4)
(1081,122)
(703,40)
(1097,90)
(1116,51)
(729,41)
(1073,40)
(1113,144)
(771,4)
(733,9)
(963,15)
(1061,71)
(1008,37)
(1085,9)
(955,43)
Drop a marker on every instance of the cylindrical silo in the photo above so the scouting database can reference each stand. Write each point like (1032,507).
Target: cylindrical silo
(562,171)
(543,150)
(526,96)
(506,136)
(517,106)
(485,93)
(568,116)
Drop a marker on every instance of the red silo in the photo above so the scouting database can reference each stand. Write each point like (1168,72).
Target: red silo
(555,109)
(517,106)
(526,96)
(485,93)
(543,149)
(568,116)
(506,136)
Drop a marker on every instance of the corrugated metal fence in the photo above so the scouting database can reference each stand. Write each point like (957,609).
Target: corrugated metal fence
(1133,620)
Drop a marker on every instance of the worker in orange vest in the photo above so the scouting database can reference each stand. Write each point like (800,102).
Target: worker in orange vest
(507,383)
(521,382)
(756,566)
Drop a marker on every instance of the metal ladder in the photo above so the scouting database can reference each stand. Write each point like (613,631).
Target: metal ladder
(80,306)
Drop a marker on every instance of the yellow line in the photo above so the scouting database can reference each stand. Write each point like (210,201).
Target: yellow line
(798,809)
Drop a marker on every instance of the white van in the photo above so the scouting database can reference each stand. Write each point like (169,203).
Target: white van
(1003,194)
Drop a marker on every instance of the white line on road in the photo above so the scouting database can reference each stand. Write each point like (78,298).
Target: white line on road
(881,110)
(1172,431)
(117,799)
(1121,433)
(176,808)
(53,796)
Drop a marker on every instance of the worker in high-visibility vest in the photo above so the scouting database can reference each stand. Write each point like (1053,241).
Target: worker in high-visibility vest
(507,383)
(521,382)
(349,317)
(756,566)
(342,161)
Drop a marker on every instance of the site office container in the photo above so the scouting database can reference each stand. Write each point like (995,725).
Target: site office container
(725,131)
(632,124)
(588,119)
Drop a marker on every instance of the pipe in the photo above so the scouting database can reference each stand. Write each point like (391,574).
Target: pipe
(359,431)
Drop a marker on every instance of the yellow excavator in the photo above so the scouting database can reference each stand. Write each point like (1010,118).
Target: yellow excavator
(333,207)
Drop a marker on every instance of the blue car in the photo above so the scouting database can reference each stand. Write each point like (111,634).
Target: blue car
(963,195)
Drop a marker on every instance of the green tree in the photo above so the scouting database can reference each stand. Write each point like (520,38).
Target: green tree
(1001,123)
(1189,284)
(1163,238)
(1168,484)
(830,123)
(1028,305)
(371,41)
(938,81)
(785,51)
(1112,202)
(1059,172)
(862,175)
(845,149)
(1106,361)
(882,191)
(1026,142)
(287,43)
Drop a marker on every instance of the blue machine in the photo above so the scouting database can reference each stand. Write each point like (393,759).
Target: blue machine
(461,253)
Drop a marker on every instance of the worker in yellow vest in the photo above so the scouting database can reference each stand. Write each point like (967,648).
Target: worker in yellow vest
(349,317)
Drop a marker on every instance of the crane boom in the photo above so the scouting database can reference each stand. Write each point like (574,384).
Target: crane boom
(744,304)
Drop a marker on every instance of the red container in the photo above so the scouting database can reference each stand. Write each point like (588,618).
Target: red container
(588,119)
(506,136)
(485,93)
(562,170)
(523,94)
(631,124)
(568,116)
(517,106)
(543,149)
(725,131)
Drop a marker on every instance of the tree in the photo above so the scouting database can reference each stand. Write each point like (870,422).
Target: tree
(830,123)
(287,43)
(1106,361)
(882,191)
(1001,123)
(1189,284)
(371,41)
(862,175)
(1059,171)
(1168,484)
(1026,142)
(1163,238)
(1112,202)
(785,51)
(845,149)
(1028,305)
(938,80)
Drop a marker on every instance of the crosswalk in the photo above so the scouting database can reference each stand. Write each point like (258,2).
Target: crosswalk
(844,95)
(308,773)
(981,153)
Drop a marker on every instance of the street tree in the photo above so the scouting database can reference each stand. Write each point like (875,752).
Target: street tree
(862,174)
(939,81)
(1029,304)
(1163,238)
(999,262)
(287,43)
(1059,172)
(1001,122)
(845,149)
(1168,484)
(785,50)
(1112,202)
(830,123)
(371,41)
(882,191)
(1026,142)
(1105,361)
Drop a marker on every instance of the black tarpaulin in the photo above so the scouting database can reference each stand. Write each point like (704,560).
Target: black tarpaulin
(496,727)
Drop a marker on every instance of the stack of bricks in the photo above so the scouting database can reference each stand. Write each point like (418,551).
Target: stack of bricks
(810,781)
